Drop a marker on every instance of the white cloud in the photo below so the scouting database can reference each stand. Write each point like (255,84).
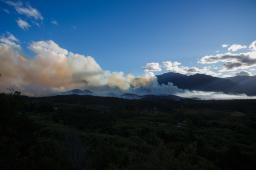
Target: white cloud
(236,47)
(9,39)
(23,24)
(48,49)
(30,12)
(224,45)
(25,9)
(152,67)
(253,45)
(226,64)
(232,61)
(179,68)
(212,95)
(54,22)
(220,64)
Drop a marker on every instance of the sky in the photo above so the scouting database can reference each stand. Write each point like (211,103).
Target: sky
(133,37)
(123,35)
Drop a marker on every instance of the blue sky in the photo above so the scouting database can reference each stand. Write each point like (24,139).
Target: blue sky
(124,35)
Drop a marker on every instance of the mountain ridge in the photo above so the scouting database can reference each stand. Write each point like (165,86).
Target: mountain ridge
(202,82)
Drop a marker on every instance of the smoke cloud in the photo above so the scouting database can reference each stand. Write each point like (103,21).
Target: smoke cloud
(53,69)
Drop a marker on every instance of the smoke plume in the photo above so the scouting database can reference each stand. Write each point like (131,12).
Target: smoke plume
(53,69)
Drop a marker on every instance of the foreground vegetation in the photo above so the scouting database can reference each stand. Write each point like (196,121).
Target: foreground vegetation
(99,133)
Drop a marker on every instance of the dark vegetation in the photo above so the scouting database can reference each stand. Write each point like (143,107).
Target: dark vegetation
(153,133)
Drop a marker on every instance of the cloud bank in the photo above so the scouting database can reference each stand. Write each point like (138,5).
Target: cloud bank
(229,63)
(232,61)
(176,67)
(54,69)
(202,95)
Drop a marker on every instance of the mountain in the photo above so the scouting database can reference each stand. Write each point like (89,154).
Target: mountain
(130,96)
(78,92)
(201,82)
(162,97)
(246,84)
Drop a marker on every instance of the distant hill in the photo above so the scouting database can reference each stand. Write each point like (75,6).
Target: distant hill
(77,92)
(162,97)
(130,96)
(237,84)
